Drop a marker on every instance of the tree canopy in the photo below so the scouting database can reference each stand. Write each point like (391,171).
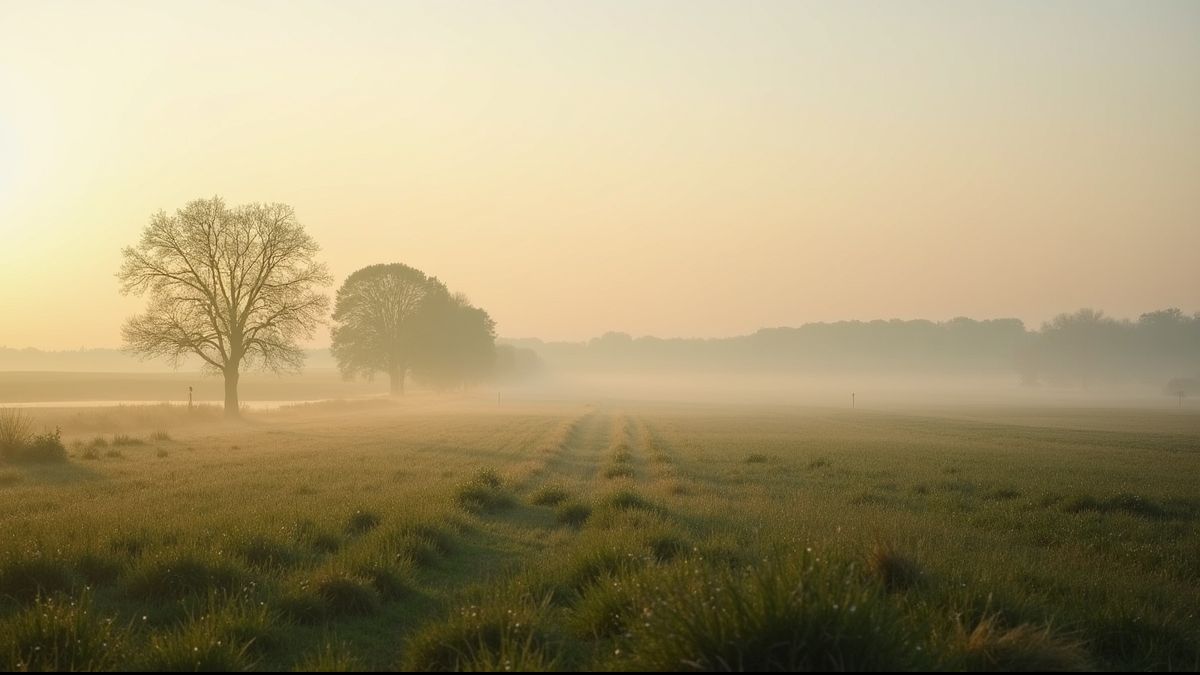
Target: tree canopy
(393,319)
(237,287)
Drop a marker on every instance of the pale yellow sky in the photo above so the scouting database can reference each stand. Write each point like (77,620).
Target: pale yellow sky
(678,169)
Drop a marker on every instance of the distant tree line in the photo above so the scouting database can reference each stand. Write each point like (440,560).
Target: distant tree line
(1079,349)
(1087,347)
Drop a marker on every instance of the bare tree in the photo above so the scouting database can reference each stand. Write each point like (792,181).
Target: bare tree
(235,287)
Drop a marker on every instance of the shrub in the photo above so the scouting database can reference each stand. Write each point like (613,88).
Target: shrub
(20,446)
(160,435)
(58,634)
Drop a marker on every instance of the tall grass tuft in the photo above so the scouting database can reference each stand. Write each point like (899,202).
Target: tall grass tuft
(16,430)
(484,493)
(345,593)
(892,568)
(1028,649)
(500,632)
(182,574)
(549,495)
(787,612)
(25,577)
(59,634)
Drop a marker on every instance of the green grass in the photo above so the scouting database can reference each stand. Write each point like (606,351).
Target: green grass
(449,535)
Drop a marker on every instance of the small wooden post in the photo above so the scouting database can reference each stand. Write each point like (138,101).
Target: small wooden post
(189,398)
(851,400)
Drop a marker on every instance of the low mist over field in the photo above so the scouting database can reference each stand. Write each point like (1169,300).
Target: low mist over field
(599,336)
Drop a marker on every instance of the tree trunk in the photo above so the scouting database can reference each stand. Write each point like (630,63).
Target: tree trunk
(397,378)
(231,393)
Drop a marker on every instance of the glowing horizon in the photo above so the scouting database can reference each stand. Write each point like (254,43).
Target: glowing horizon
(673,169)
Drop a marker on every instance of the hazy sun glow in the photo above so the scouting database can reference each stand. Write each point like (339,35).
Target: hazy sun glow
(669,168)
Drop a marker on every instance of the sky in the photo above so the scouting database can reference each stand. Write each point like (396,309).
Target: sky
(669,168)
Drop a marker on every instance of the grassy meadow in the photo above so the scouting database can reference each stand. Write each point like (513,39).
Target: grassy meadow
(433,534)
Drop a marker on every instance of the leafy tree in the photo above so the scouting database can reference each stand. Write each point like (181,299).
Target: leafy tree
(376,315)
(236,287)
(457,340)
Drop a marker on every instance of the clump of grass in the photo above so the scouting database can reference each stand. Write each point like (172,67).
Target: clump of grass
(329,658)
(388,576)
(667,545)
(361,522)
(58,634)
(1004,494)
(195,647)
(422,543)
(499,633)
(755,458)
(99,442)
(892,568)
(114,454)
(19,444)
(484,493)
(160,436)
(549,495)
(16,430)
(264,552)
(604,608)
(1134,505)
(618,471)
(24,577)
(301,605)
(818,463)
(125,439)
(624,500)
(583,566)
(573,513)
(97,568)
(991,647)
(344,593)
(622,456)
(244,622)
(791,613)
(161,453)
(182,574)
(90,453)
